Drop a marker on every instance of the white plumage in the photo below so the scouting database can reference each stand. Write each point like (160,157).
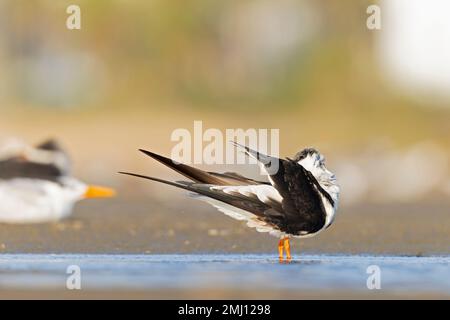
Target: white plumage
(37,201)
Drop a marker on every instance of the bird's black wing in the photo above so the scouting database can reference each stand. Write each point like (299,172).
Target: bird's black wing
(262,211)
(17,168)
(200,176)
(302,204)
(235,179)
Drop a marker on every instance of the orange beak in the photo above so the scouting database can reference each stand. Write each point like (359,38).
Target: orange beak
(99,192)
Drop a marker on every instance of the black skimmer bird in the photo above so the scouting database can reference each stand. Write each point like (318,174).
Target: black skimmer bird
(36,186)
(300,200)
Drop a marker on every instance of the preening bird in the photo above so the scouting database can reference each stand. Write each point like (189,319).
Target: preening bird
(299,200)
(36,185)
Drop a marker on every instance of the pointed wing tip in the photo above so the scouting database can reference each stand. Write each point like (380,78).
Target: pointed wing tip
(145,151)
(137,175)
(153,155)
(131,174)
(237,144)
(125,173)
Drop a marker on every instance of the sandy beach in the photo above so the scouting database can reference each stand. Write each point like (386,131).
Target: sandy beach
(150,227)
(157,226)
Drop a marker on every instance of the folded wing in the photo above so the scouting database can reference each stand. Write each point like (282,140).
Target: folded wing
(290,203)
(301,203)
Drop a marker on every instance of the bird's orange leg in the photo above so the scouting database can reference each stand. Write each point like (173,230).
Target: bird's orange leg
(280,249)
(287,247)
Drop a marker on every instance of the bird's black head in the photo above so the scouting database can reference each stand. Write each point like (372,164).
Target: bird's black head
(310,158)
(50,145)
(305,153)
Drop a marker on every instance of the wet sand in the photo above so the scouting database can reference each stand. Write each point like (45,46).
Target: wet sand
(152,226)
(149,225)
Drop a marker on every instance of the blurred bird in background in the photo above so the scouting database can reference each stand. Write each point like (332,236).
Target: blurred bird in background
(36,185)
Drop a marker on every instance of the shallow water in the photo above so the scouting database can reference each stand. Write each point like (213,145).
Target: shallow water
(238,272)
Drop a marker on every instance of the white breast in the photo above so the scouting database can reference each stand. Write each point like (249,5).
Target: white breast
(32,201)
